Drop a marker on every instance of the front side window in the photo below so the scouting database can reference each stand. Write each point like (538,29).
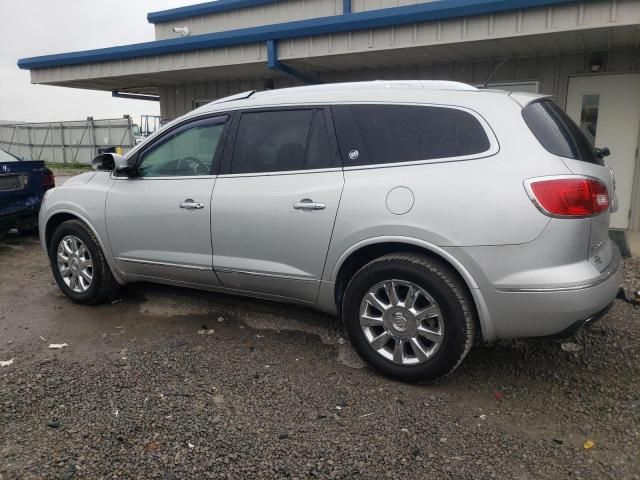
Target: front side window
(281,141)
(186,151)
(378,134)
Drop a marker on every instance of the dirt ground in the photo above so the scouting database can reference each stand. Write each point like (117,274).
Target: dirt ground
(170,383)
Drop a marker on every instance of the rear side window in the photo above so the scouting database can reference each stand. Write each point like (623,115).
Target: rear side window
(280,141)
(377,134)
(557,133)
(271,141)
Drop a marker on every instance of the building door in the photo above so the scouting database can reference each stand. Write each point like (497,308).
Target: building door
(608,108)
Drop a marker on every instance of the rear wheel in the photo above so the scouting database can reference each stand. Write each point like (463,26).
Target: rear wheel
(409,316)
(78,264)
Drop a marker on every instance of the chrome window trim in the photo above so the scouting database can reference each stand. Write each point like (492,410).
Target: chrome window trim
(284,172)
(185,177)
(486,154)
(494,144)
(164,264)
(260,274)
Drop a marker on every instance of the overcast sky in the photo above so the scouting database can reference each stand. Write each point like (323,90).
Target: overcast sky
(38,27)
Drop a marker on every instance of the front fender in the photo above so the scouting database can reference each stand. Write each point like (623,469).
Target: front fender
(85,201)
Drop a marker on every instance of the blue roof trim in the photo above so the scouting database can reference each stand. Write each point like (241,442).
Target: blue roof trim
(203,9)
(422,12)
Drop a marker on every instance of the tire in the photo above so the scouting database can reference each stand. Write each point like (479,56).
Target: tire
(102,285)
(439,328)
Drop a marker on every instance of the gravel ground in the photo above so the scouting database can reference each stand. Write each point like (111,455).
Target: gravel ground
(174,384)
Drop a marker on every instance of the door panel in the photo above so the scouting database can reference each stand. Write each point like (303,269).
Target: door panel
(609,107)
(262,243)
(159,221)
(151,235)
(274,208)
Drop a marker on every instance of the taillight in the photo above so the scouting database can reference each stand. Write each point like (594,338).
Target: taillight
(570,197)
(49,180)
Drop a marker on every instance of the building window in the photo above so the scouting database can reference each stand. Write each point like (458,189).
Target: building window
(201,102)
(589,115)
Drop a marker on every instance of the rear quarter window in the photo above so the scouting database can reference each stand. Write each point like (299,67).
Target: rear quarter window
(379,134)
(557,133)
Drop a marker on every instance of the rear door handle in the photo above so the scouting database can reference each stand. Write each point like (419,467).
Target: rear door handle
(308,204)
(189,204)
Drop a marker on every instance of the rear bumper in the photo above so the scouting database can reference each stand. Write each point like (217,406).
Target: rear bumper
(554,311)
(580,324)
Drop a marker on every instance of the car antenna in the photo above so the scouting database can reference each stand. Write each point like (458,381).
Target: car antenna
(494,72)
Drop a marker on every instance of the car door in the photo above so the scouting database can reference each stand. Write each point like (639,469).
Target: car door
(275,202)
(158,220)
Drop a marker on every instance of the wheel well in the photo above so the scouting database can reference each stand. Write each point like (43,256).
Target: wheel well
(364,255)
(53,223)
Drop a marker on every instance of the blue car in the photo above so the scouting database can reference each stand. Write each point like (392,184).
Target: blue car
(22,187)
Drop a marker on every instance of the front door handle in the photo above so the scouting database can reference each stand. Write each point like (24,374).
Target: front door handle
(189,204)
(308,204)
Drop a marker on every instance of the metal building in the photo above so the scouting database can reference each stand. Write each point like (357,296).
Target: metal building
(585,53)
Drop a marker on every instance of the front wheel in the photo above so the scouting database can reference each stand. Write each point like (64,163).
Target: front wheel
(78,264)
(409,316)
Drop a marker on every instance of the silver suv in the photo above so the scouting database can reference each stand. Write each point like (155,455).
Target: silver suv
(428,215)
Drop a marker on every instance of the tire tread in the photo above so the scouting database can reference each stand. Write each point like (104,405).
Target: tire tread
(106,283)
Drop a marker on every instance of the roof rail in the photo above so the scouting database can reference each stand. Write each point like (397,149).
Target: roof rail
(390,84)
(237,96)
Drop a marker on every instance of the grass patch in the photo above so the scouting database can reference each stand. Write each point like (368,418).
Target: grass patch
(77,167)
(68,169)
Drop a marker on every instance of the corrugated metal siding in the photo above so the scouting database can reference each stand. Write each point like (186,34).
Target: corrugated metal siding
(551,71)
(279,12)
(199,59)
(463,38)
(364,5)
(535,21)
(176,100)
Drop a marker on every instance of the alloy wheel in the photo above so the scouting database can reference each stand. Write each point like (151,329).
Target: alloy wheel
(75,264)
(402,322)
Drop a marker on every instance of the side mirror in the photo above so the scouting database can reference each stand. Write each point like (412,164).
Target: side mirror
(603,152)
(118,164)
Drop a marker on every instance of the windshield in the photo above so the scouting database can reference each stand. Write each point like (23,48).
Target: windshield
(7,157)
